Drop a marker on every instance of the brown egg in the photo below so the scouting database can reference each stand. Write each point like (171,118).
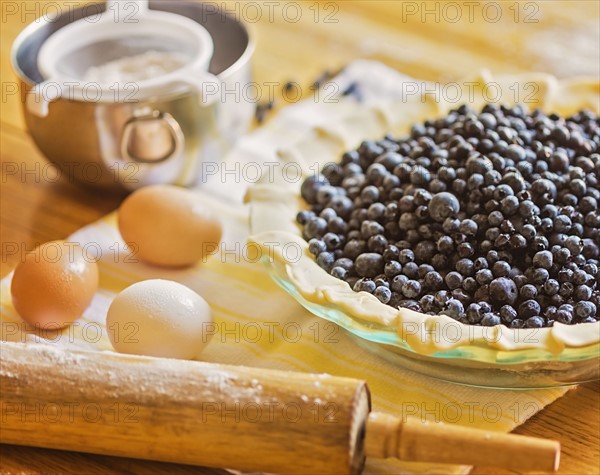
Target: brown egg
(168,226)
(54,284)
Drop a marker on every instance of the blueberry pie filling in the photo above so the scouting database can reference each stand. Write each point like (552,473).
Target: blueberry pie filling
(488,217)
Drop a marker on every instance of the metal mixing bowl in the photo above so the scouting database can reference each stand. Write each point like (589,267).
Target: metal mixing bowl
(166,139)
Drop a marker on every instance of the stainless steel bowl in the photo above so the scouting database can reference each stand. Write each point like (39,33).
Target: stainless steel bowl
(166,139)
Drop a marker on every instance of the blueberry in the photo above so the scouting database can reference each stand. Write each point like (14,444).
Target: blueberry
(543,259)
(433,280)
(411,270)
(328,214)
(484,276)
(411,305)
(454,308)
(490,319)
(528,231)
(369,264)
(453,280)
(311,186)
(411,289)
(474,313)
(344,263)
(325,193)
(562,255)
(551,287)
(383,294)
(370,194)
(441,298)
(442,206)
(465,267)
(508,314)
(445,244)
(376,211)
(405,256)
(391,211)
(339,273)
(528,291)
(424,251)
(364,285)
(480,263)
(354,248)
(529,308)
(509,205)
(440,261)
(540,276)
(451,225)
(500,268)
(391,253)
(370,228)
(332,241)
(392,269)
(398,282)
(503,290)
(342,205)
(562,223)
(582,292)
(527,208)
(564,315)
(470,284)
(315,227)
(424,269)
(539,243)
(534,322)
(316,246)
(518,241)
(377,243)
(304,216)
(427,302)
(468,227)
(337,225)
(581,277)
(326,260)
(585,309)
(495,218)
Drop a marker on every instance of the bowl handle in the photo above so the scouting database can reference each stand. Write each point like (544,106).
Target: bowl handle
(151,138)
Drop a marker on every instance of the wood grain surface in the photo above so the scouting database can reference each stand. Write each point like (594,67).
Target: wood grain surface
(427,40)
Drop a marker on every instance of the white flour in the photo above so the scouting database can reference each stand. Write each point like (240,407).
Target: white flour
(136,68)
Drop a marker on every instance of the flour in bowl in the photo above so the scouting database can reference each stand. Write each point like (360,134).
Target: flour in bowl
(136,68)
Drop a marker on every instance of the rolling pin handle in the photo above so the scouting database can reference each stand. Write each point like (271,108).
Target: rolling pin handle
(414,441)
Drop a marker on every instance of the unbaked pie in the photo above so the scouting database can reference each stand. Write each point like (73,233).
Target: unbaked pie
(483,219)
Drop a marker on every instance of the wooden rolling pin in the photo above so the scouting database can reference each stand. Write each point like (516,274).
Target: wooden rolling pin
(225,416)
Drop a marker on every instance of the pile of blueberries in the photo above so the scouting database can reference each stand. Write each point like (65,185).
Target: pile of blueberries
(490,218)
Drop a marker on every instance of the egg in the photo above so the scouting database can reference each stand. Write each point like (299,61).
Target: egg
(159,318)
(54,284)
(168,226)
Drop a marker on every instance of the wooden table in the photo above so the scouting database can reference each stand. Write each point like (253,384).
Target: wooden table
(434,41)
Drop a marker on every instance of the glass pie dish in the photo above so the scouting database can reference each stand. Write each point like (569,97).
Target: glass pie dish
(434,345)
(483,367)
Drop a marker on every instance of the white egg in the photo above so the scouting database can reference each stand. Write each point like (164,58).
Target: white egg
(159,318)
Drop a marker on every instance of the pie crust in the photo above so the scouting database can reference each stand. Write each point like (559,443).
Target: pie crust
(275,202)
